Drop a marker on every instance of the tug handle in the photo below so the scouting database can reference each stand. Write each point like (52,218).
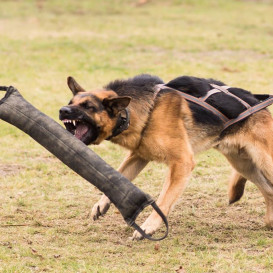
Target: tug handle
(164,218)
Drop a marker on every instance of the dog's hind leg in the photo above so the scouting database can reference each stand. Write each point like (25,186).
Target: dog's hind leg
(250,152)
(264,180)
(236,187)
(257,166)
(266,187)
(130,168)
(267,192)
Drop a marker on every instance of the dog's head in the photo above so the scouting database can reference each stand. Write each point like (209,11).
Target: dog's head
(92,116)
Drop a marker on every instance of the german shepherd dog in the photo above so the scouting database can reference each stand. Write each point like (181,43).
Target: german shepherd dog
(162,126)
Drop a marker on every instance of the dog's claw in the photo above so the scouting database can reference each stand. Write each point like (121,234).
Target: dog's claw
(138,237)
(97,215)
(150,226)
(99,210)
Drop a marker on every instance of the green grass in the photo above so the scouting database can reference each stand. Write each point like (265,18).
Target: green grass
(45,223)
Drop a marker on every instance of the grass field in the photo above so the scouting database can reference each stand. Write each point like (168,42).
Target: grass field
(45,223)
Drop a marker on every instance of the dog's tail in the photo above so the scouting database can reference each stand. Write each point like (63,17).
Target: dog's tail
(3,88)
(236,187)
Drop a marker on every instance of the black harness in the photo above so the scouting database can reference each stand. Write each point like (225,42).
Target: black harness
(265,101)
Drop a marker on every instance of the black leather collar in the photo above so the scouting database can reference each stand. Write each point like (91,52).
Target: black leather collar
(122,124)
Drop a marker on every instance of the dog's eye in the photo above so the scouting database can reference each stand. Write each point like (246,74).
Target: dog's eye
(88,106)
(92,108)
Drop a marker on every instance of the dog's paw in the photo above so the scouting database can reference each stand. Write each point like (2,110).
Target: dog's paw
(99,209)
(149,227)
(269,221)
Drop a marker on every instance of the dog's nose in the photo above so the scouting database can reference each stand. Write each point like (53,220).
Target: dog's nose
(65,110)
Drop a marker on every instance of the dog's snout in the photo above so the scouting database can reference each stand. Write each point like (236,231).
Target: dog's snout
(65,110)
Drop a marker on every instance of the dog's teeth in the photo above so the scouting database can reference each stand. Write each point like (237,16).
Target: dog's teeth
(70,121)
(67,121)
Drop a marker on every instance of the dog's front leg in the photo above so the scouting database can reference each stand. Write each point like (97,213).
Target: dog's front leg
(176,181)
(130,168)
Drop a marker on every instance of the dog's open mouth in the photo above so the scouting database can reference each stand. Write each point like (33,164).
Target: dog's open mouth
(82,130)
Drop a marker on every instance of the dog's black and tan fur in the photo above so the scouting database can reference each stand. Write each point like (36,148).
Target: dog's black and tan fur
(164,127)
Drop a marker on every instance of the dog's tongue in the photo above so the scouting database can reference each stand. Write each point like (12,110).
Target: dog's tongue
(81,130)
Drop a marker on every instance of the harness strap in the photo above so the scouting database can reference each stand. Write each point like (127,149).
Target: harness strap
(250,111)
(147,236)
(197,101)
(224,89)
(265,101)
(211,92)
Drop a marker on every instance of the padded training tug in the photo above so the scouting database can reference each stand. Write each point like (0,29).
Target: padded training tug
(129,200)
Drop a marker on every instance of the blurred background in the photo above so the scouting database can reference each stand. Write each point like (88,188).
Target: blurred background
(43,42)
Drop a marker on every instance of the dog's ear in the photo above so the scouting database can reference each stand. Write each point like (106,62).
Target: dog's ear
(74,86)
(115,105)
